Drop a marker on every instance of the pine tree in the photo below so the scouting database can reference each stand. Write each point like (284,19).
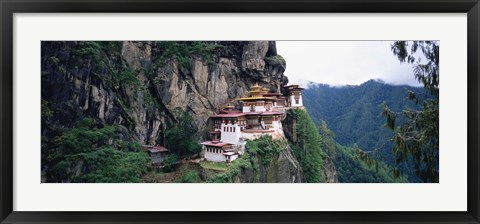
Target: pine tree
(417,139)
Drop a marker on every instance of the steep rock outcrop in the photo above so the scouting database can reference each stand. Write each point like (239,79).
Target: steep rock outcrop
(290,124)
(135,85)
(329,170)
(283,168)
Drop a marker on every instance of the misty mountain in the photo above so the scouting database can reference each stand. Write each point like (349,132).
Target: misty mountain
(353,113)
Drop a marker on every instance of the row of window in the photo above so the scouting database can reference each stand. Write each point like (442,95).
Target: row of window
(213,150)
(229,129)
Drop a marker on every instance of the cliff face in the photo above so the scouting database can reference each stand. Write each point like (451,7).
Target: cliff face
(307,145)
(138,84)
(283,168)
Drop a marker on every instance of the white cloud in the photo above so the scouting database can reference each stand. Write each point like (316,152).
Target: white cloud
(343,62)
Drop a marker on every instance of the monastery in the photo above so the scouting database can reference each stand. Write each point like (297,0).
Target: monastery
(262,114)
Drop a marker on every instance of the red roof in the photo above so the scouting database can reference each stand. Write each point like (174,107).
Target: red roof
(228,115)
(215,143)
(230,111)
(264,113)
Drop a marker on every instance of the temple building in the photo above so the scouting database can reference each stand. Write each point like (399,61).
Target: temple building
(295,95)
(262,114)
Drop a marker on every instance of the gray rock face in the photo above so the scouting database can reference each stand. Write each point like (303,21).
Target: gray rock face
(329,170)
(283,168)
(78,84)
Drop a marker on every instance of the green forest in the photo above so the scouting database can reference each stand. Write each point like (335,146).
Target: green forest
(399,124)
(349,109)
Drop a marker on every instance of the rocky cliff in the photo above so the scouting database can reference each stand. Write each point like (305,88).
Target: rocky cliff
(307,145)
(266,161)
(283,168)
(138,84)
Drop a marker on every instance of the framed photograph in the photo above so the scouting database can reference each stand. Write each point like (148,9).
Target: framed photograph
(247,112)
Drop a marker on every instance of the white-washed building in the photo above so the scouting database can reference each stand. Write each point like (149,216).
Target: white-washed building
(294,95)
(262,114)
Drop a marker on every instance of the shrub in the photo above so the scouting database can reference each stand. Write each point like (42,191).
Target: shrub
(191,176)
(169,162)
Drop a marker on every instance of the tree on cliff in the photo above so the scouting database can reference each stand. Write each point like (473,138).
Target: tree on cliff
(181,135)
(307,147)
(417,139)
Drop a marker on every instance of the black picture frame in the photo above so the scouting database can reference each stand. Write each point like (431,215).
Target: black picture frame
(9,7)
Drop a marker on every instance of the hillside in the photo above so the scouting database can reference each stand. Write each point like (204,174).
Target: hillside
(353,114)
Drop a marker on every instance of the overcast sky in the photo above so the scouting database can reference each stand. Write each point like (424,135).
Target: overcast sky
(343,62)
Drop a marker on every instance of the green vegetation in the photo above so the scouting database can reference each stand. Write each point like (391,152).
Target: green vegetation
(307,147)
(214,165)
(47,112)
(55,60)
(260,151)
(234,170)
(184,51)
(416,139)
(266,148)
(352,169)
(92,49)
(126,77)
(181,135)
(354,114)
(109,165)
(190,176)
(276,60)
(86,153)
(169,162)
(88,49)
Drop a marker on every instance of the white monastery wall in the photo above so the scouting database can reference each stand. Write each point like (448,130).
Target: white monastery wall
(214,157)
(230,136)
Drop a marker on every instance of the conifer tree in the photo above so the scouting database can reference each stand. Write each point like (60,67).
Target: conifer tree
(417,139)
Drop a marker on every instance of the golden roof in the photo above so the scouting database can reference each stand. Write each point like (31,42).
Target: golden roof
(256,93)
